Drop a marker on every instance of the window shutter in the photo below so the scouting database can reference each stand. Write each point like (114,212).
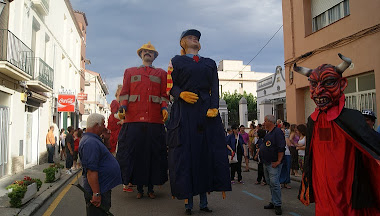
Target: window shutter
(320,6)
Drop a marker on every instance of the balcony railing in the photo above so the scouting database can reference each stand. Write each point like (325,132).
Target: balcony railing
(43,72)
(14,51)
(263,83)
(46,4)
(42,6)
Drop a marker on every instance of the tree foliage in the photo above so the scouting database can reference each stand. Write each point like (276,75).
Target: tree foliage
(232,100)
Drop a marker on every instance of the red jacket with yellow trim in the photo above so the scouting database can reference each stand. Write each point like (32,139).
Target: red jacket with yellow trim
(144,94)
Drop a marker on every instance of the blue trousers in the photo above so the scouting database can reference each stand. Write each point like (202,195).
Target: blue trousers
(285,171)
(50,149)
(272,176)
(202,202)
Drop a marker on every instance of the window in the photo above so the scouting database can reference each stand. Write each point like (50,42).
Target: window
(241,75)
(361,92)
(325,13)
(241,85)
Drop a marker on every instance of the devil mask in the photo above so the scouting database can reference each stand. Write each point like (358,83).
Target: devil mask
(326,82)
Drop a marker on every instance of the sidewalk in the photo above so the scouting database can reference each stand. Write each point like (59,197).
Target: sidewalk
(253,166)
(45,192)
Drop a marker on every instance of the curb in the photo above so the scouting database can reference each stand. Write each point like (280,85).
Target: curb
(38,201)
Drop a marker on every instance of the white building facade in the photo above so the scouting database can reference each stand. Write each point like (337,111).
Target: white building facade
(271,96)
(235,76)
(41,55)
(96,90)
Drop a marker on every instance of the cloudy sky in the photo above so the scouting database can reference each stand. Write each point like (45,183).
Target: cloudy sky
(231,30)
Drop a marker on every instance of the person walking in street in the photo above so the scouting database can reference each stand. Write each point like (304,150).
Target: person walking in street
(285,172)
(252,141)
(260,166)
(142,152)
(301,146)
(50,144)
(69,149)
(293,139)
(245,137)
(198,161)
(272,153)
(101,171)
(62,138)
(77,137)
(114,124)
(235,142)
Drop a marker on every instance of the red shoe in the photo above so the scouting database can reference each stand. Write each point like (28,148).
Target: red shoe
(129,190)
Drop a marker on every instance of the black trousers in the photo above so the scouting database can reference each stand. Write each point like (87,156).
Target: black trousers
(260,172)
(236,167)
(95,211)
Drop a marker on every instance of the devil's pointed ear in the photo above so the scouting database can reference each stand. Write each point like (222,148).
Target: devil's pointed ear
(302,70)
(344,65)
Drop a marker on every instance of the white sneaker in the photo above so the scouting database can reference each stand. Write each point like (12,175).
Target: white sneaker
(68,172)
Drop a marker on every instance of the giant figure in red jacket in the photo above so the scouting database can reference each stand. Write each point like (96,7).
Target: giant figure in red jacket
(142,153)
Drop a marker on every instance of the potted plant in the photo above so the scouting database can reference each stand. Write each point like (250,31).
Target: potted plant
(22,191)
(53,172)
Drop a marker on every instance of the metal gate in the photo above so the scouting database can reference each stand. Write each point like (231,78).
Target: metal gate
(4,138)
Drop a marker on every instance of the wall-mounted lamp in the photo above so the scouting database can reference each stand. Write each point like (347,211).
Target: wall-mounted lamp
(291,76)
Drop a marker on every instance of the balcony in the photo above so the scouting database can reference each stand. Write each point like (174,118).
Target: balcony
(43,76)
(42,6)
(15,57)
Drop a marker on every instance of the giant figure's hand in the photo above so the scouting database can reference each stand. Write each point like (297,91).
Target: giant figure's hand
(189,97)
(164,115)
(121,113)
(212,112)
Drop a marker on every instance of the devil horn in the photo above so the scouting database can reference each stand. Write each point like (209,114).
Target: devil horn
(302,70)
(344,65)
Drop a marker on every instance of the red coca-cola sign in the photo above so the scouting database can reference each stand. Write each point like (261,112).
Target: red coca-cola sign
(66,103)
(82,96)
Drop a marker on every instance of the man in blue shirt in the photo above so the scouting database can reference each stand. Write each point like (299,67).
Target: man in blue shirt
(101,171)
(271,154)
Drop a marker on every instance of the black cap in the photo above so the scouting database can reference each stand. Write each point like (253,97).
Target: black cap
(369,113)
(193,32)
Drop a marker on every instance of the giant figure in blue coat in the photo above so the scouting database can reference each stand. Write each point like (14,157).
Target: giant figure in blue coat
(198,160)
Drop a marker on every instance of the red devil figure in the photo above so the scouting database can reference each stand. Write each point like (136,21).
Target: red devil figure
(342,162)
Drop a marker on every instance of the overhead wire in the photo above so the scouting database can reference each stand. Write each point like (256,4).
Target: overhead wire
(338,43)
(254,56)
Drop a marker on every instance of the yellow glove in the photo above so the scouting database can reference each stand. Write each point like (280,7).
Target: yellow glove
(189,97)
(212,113)
(121,113)
(164,115)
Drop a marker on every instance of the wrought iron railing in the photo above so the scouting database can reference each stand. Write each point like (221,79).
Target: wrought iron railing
(46,4)
(43,72)
(14,51)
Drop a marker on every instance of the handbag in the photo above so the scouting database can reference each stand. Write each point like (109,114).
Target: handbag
(233,158)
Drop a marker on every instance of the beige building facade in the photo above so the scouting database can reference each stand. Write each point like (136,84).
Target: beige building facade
(235,76)
(315,31)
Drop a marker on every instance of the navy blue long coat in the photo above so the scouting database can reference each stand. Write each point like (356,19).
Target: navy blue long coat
(198,160)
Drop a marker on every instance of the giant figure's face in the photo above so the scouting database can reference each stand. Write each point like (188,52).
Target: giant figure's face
(326,86)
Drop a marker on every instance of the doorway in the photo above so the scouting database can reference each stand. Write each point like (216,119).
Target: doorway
(4,139)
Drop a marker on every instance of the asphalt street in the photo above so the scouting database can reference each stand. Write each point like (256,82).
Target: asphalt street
(244,199)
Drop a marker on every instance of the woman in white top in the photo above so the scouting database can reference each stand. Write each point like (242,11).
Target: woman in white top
(301,146)
(62,143)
